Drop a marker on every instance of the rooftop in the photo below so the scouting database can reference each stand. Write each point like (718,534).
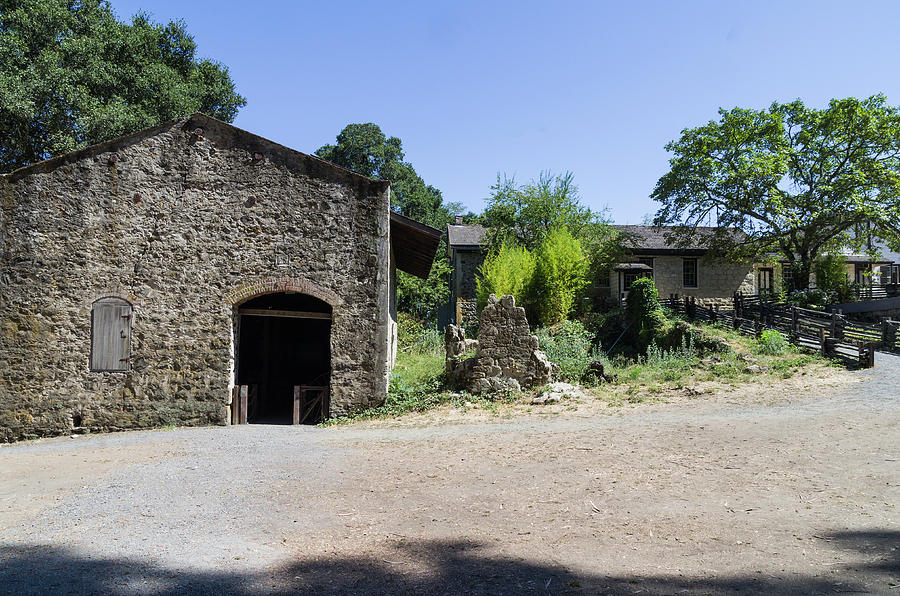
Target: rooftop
(465,235)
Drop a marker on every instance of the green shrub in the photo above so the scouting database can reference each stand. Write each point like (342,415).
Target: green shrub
(509,271)
(772,342)
(831,277)
(559,275)
(657,355)
(702,338)
(568,344)
(413,336)
(644,312)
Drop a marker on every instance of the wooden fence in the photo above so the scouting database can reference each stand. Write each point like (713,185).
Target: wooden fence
(875,291)
(831,333)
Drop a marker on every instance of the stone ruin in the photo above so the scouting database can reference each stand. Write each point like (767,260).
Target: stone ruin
(507,356)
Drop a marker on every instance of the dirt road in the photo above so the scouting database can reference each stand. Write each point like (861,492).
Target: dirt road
(790,487)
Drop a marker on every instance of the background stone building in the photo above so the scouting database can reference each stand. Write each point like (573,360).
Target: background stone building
(676,270)
(141,279)
(682,270)
(464,249)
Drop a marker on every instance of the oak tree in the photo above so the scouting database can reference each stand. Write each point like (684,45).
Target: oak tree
(798,181)
(72,75)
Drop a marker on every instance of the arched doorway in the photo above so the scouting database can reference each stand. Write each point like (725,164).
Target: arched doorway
(284,357)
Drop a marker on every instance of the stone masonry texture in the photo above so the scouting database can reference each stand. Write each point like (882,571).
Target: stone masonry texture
(508,357)
(717,281)
(185,221)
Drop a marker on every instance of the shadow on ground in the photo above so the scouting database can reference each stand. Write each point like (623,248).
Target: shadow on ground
(440,567)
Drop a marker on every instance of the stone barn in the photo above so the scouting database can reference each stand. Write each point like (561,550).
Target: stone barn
(194,273)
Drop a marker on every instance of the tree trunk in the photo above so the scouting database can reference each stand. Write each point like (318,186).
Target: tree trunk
(802,272)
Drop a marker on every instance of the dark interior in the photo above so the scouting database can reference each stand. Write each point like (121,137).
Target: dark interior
(275,353)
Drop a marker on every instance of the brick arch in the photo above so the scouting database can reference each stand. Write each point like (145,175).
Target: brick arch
(272,285)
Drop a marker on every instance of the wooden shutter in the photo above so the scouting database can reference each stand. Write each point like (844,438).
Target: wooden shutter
(111,334)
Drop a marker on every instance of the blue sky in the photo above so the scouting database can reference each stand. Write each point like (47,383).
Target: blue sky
(478,88)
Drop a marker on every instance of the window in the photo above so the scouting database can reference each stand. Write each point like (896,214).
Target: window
(764,280)
(648,261)
(787,277)
(111,335)
(689,267)
(895,275)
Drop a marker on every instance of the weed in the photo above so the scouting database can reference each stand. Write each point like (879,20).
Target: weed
(771,342)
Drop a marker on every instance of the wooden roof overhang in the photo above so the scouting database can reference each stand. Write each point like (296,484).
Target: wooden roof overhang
(414,244)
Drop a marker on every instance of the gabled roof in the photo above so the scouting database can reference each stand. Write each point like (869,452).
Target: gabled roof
(647,239)
(414,244)
(883,255)
(462,236)
(234,136)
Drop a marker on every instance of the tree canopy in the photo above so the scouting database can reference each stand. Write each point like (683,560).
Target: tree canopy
(366,150)
(526,213)
(72,75)
(797,180)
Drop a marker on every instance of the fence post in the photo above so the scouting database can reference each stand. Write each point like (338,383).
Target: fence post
(795,320)
(885,333)
(835,322)
(822,342)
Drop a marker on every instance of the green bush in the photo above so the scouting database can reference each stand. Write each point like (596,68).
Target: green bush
(413,336)
(568,344)
(559,275)
(509,271)
(644,312)
(772,342)
(831,277)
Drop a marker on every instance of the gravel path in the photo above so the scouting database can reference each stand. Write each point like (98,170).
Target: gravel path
(791,487)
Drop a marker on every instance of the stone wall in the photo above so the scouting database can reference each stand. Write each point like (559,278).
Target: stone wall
(184,221)
(507,357)
(717,281)
(467,264)
(463,288)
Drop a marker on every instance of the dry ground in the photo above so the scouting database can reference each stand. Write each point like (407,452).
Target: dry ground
(776,487)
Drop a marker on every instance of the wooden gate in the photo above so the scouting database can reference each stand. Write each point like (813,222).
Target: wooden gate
(310,403)
(242,399)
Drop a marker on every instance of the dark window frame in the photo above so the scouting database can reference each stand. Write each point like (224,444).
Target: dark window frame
(685,273)
(787,277)
(769,274)
(649,262)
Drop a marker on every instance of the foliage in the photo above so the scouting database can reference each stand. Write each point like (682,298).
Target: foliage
(559,275)
(366,150)
(813,298)
(423,297)
(414,337)
(772,342)
(794,180)
(644,312)
(72,75)
(526,214)
(569,345)
(831,277)
(510,270)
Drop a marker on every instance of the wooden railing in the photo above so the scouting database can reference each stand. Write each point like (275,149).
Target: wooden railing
(831,333)
(875,291)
